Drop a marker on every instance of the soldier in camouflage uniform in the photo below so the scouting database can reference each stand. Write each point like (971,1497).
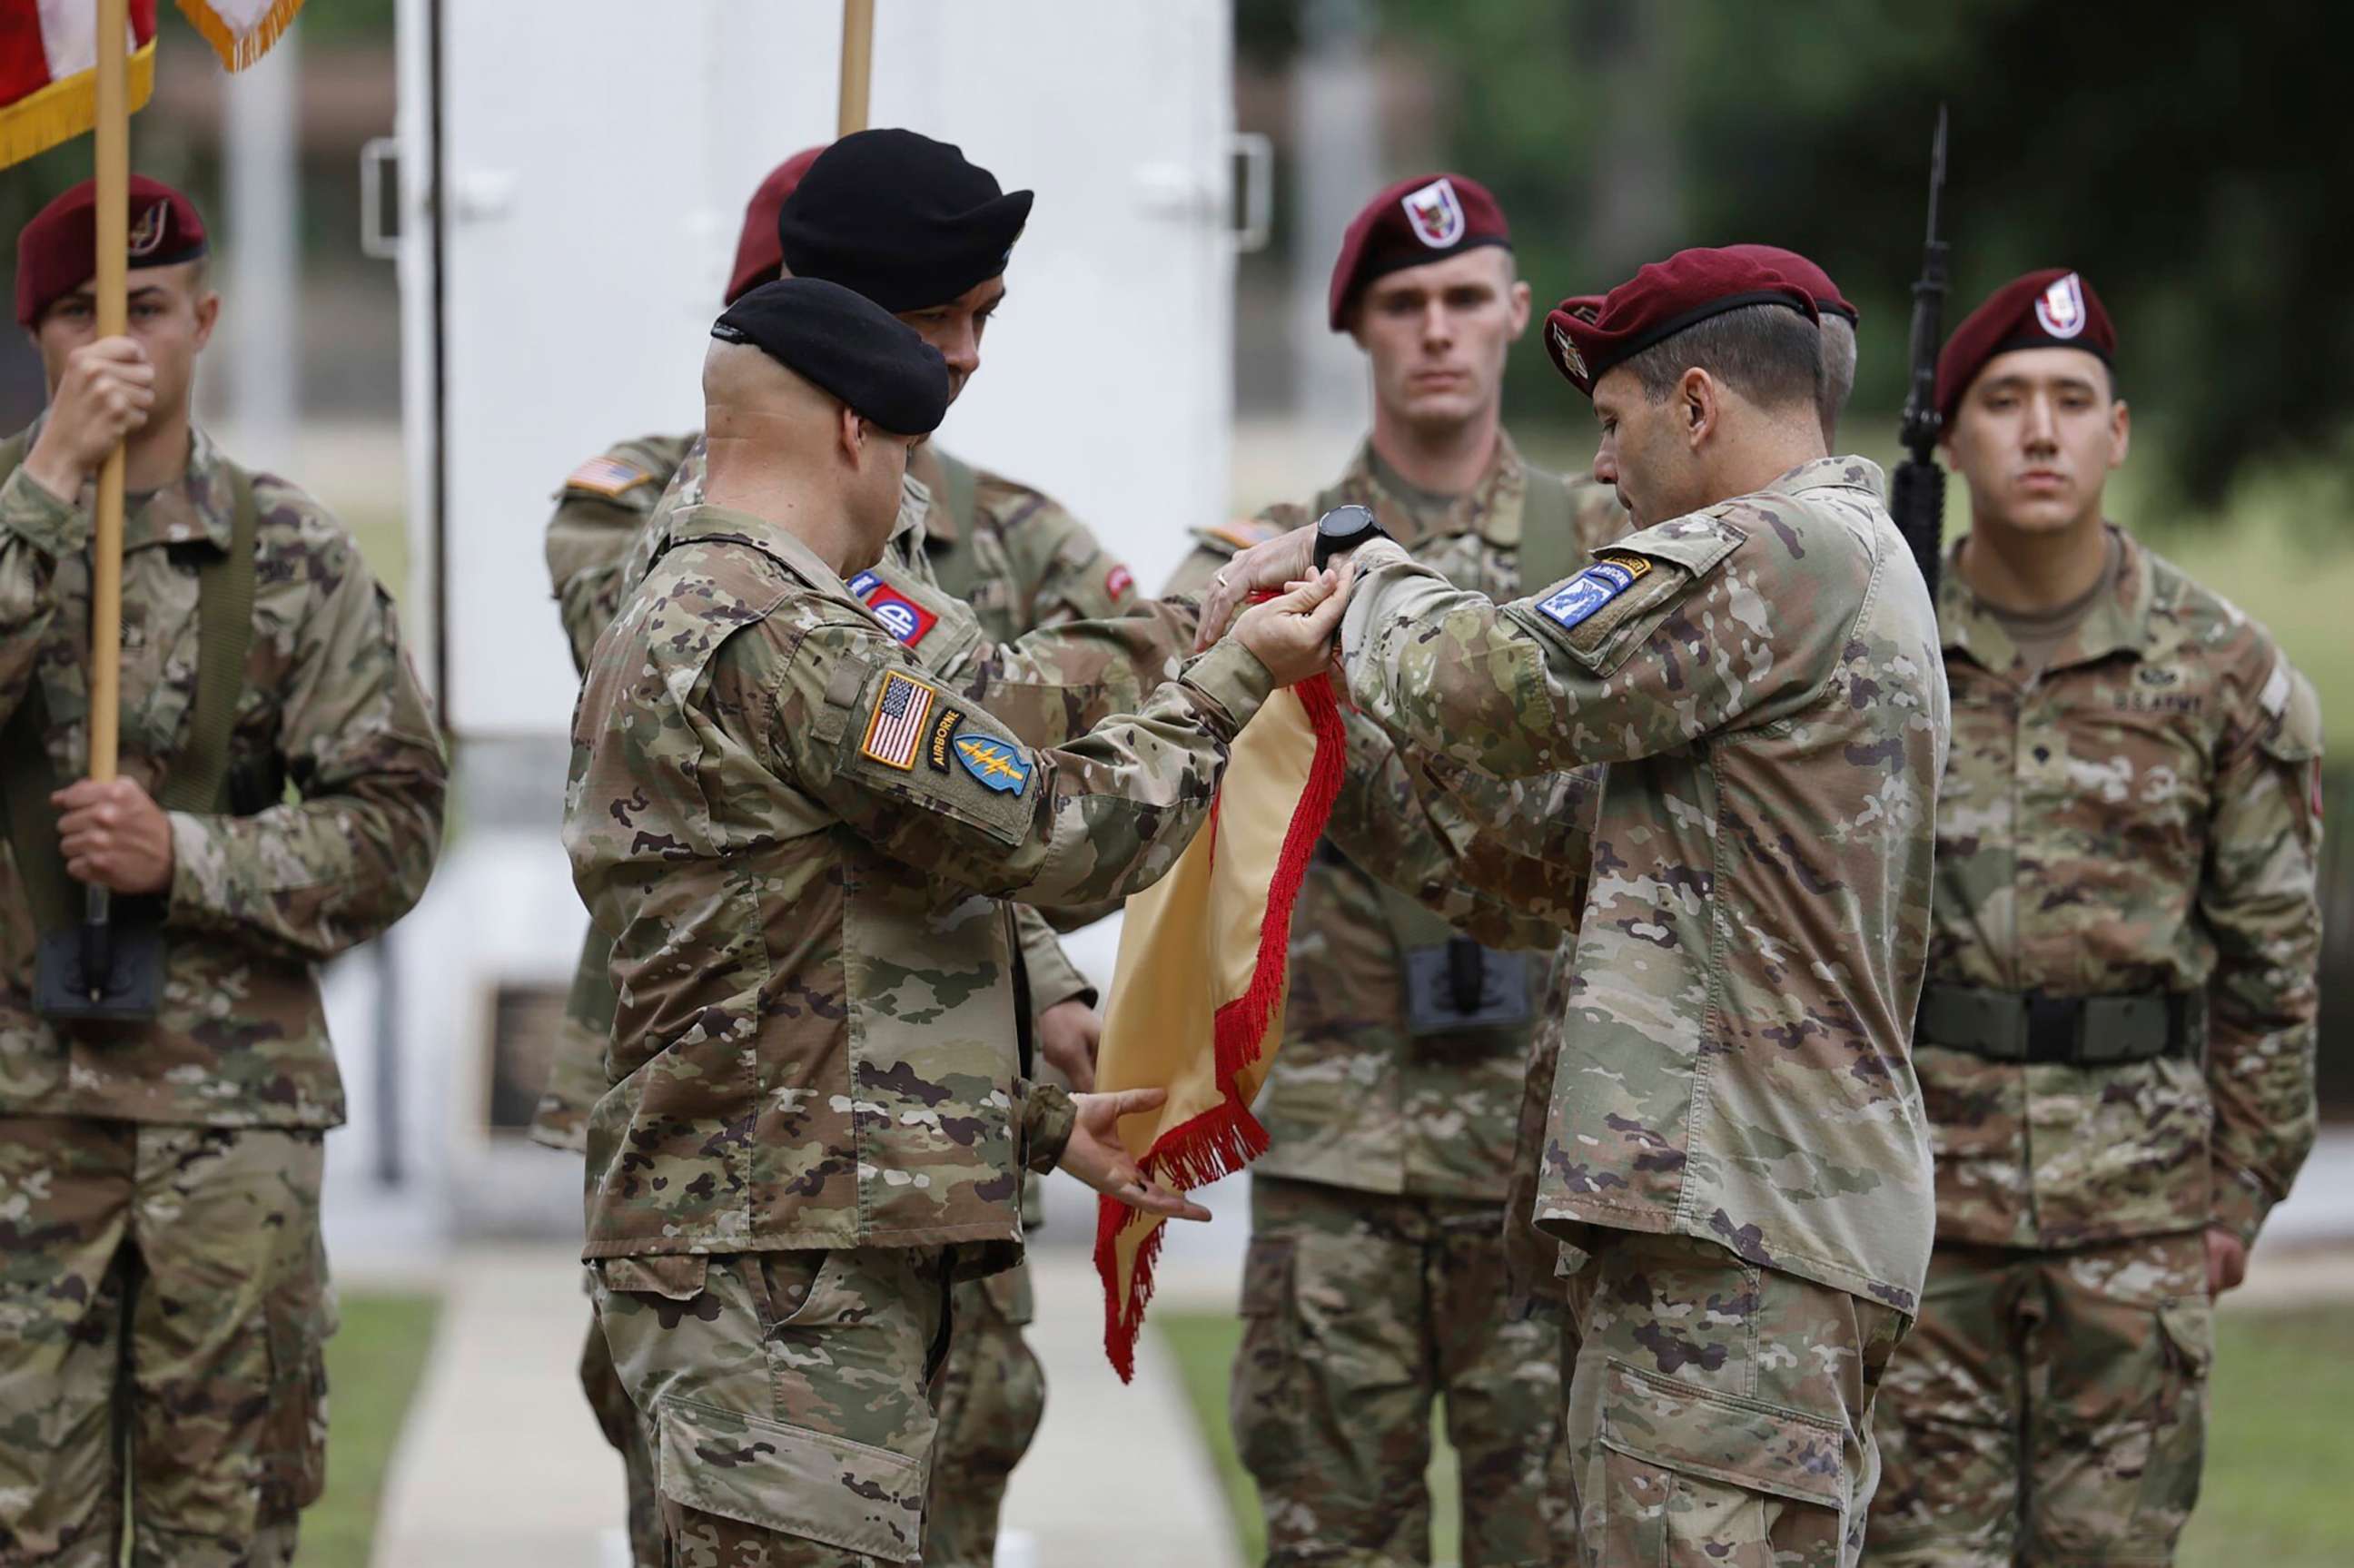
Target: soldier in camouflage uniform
(1374,1282)
(165,1302)
(2115,1043)
(1735,1161)
(1013,561)
(774,1252)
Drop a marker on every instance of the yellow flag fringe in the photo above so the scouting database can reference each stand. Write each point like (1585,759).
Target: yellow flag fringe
(237,51)
(65,110)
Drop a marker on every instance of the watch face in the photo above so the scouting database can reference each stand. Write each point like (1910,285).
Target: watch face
(1345,522)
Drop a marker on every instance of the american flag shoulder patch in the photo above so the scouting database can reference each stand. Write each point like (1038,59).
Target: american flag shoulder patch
(608,476)
(894,730)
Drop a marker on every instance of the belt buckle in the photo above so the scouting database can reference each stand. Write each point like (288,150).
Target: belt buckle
(2055,1028)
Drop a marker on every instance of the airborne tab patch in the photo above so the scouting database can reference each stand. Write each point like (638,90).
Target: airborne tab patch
(996,764)
(895,729)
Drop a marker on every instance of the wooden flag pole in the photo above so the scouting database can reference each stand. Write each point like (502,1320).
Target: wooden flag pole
(857,64)
(113,182)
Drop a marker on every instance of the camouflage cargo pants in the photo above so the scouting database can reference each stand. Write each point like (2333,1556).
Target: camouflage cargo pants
(1719,1412)
(2051,1407)
(990,1395)
(787,1397)
(1358,1310)
(164,1304)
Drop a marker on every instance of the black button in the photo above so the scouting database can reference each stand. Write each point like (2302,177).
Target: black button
(2042,754)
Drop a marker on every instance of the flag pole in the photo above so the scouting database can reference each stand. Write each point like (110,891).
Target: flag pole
(857,64)
(113,182)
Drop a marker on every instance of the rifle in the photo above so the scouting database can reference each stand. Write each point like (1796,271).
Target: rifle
(1916,494)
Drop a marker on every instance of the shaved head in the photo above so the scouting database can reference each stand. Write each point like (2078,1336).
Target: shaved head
(786,449)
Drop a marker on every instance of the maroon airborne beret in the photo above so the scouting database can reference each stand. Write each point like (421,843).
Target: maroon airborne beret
(1659,302)
(1806,275)
(760,255)
(1426,218)
(2053,308)
(57,252)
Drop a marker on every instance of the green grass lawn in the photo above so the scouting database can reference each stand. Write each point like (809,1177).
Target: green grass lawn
(2279,1450)
(374,1363)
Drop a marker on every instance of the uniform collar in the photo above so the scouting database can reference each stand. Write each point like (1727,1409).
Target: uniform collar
(1491,508)
(2116,622)
(1832,473)
(708,522)
(926,472)
(199,504)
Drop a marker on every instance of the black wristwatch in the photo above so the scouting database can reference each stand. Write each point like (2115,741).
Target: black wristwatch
(1344,528)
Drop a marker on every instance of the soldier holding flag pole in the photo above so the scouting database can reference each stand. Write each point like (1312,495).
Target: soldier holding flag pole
(210,726)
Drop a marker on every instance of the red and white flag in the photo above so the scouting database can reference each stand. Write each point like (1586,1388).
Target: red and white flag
(48,70)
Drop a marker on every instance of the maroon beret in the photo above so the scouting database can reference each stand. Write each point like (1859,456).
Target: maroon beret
(760,255)
(1806,275)
(1659,302)
(1426,218)
(2054,308)
(57,252)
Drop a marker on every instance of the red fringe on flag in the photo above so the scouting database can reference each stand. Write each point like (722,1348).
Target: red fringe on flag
(1222,1141)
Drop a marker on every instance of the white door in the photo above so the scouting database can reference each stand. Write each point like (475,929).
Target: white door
(595,156)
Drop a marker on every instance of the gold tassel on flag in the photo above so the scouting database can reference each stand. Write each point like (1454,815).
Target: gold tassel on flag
(240,31)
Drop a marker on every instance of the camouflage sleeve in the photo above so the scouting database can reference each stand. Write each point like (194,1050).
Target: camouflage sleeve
(1667,644)
(1060,682)
(1214,547)
(1048,1119)
(946,788)
(599,514)
(1054,979)
(2258,899)
(351,855)
(1064,574)
(36,531)
(1531,1256)
(1381,823)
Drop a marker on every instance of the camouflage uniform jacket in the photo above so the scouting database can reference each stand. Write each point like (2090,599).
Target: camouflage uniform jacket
(800,839)
(2141,817)
(617,504)
(1761,679)
(1358,1097)
(1013,554)
(330,707)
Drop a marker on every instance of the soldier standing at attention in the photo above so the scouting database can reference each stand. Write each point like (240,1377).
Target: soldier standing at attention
(933,247)
(1375,1278)
(1736,1162)
(2115,1043)
(799,840)
(164,1299)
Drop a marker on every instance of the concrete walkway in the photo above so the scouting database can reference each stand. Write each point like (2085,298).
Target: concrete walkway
(502,1463)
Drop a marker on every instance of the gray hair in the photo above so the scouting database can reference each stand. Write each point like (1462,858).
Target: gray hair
(1769,354)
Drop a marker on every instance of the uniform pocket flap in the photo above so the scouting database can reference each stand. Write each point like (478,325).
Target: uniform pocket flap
(2190,1325)
(1740,1442)
(674,1277)
(792,1480)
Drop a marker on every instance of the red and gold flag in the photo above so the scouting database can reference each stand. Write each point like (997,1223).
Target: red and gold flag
(48,70)
(1198,997)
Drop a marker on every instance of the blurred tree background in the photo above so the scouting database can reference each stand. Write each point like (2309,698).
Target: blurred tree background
(2192,160)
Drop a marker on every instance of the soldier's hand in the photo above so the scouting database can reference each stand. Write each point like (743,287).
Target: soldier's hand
(1273,564)
(2227,1261)
(114,836)
(1069,1032)
(107,392)
(1097,1156)
(1292,634)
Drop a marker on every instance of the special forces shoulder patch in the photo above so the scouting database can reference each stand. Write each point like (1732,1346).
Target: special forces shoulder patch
(895,729)
(609,477)
(1611,574)
(997,764)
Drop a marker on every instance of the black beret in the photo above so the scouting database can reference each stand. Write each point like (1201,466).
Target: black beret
(848,344)
(900,217)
